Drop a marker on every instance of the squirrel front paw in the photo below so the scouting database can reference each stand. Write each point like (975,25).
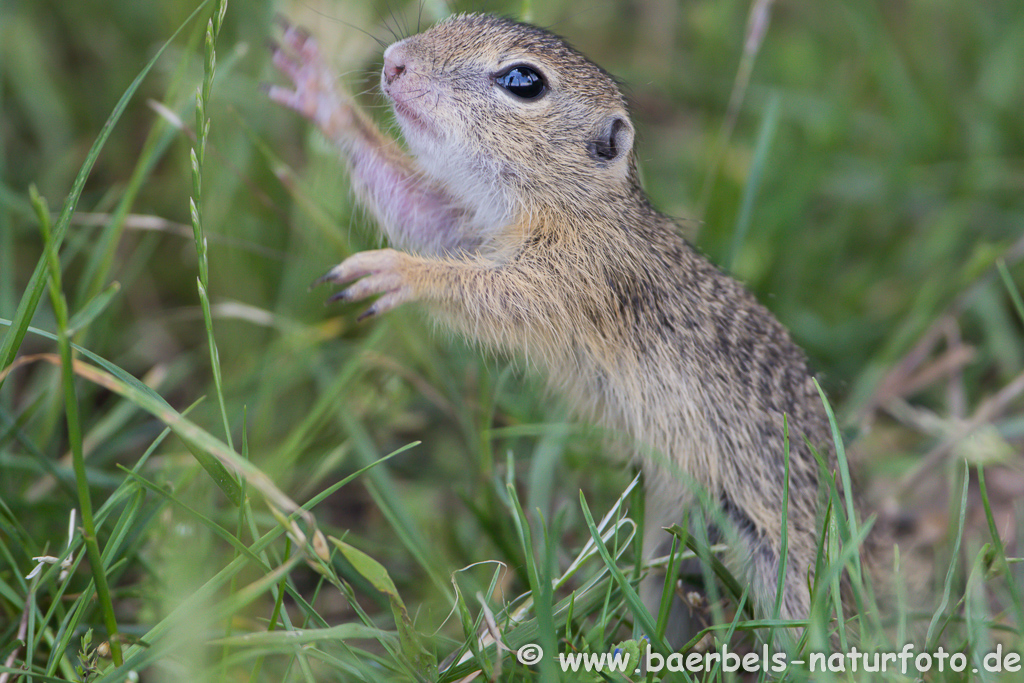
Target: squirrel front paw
(383,271)
(315,95)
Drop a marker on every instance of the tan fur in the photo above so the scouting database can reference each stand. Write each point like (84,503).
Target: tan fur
(529,243)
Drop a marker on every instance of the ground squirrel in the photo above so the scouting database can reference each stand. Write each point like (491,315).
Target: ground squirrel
(531,234)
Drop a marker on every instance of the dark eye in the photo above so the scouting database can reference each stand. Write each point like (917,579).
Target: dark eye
(522,81)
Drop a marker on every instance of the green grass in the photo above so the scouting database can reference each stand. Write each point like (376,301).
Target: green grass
(267,491)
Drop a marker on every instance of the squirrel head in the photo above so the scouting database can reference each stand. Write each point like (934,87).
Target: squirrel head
(509,117)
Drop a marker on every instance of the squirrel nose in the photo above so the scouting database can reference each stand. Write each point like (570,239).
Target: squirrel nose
(393,68)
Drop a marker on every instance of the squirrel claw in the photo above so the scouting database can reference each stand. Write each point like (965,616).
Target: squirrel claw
(282,21)
(379,272)
(326,277)
(297,38)
(343,295)
(368,313)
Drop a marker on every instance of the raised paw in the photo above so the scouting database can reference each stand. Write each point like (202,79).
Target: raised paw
(314,95)
(384,271)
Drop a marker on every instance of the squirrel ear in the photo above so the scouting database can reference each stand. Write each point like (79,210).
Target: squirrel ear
(614,139)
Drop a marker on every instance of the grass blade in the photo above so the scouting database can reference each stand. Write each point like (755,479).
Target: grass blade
(34,289)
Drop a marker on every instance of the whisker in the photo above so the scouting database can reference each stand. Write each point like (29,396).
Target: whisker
(377,40)
(396,30)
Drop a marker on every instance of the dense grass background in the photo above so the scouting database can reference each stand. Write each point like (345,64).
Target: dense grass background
(868,186)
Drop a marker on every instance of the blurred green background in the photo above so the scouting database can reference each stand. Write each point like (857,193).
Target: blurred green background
(891,182)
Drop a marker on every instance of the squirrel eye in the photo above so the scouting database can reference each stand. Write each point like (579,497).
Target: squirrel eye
(523,82)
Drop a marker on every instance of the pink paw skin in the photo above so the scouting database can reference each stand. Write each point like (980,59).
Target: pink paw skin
(313,94)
